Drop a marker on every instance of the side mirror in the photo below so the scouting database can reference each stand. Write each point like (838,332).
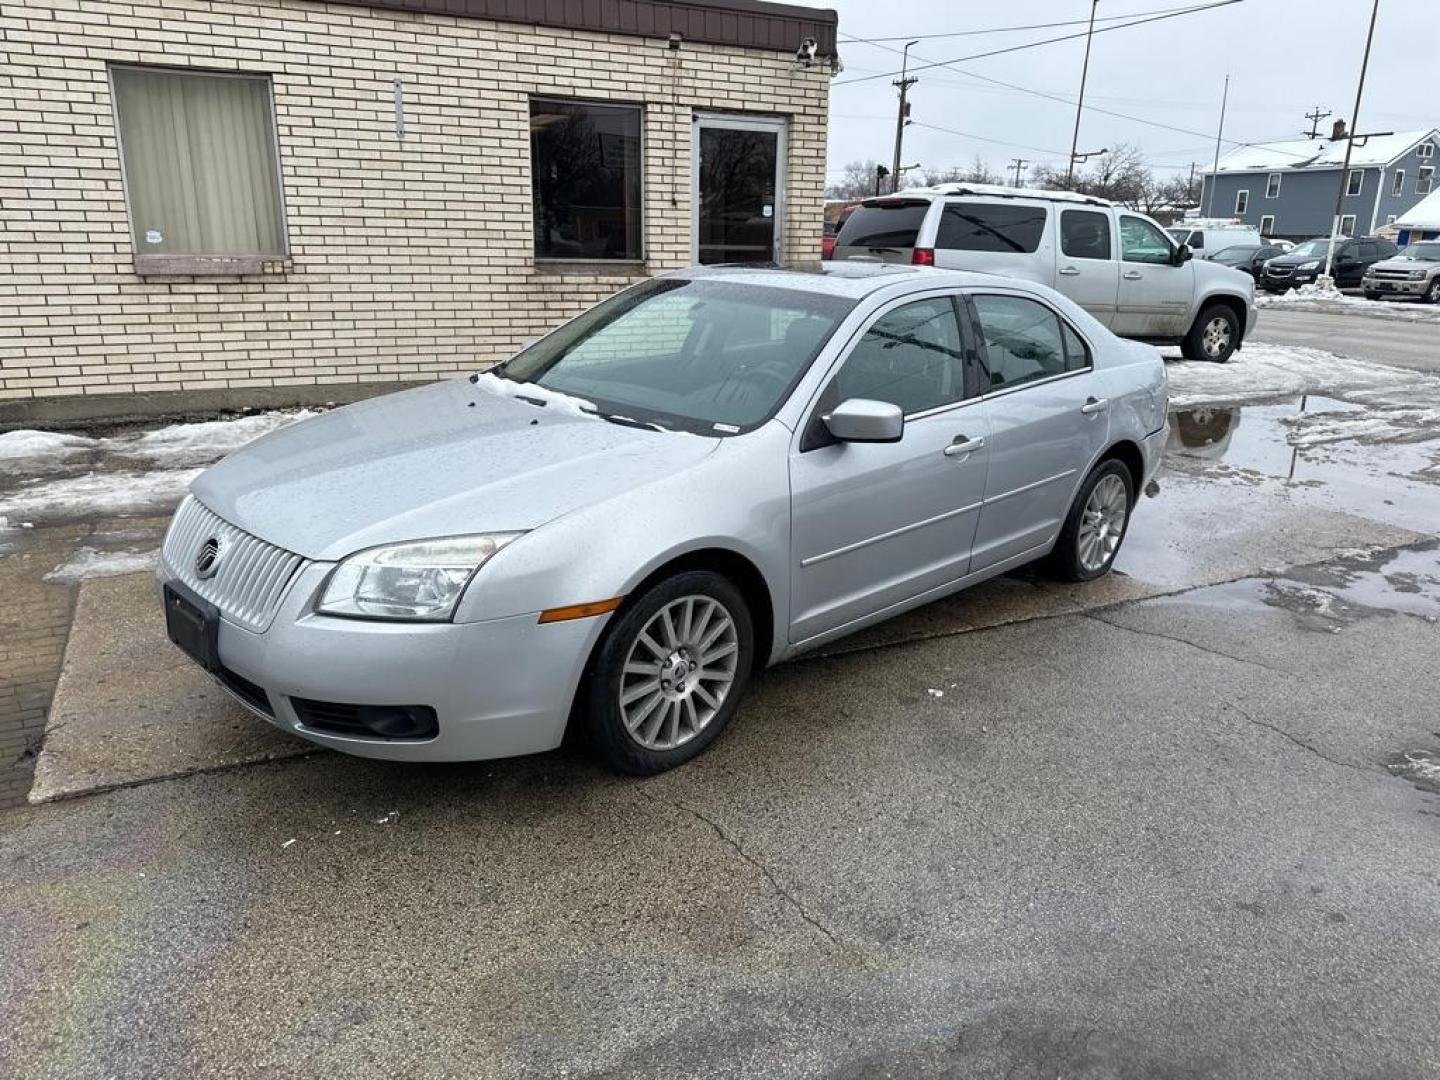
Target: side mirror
(1181,255)
(863,420)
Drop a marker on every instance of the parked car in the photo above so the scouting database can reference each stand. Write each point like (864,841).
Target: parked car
(1249,258)
(1307,262)
(832,229)
(1413,272)
(709,472)
(1205,238)
(1285,246)
(1120,266)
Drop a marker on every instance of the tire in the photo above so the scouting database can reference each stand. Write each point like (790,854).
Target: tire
(1372,296)
(1069,561)
(1215,335)
(1432,294)
(654,731)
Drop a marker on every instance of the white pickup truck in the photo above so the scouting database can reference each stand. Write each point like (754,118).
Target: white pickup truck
(1117,264)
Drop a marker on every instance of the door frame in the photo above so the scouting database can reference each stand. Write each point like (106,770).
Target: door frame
(780,126)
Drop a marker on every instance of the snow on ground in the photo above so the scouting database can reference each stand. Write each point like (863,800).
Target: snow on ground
(200,443)
(1333,302)
(1260,372)
(87,563)
(98,494)
(18,447)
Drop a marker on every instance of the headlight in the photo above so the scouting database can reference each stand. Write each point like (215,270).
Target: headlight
(1313,264)
(421,580)
(1417,275)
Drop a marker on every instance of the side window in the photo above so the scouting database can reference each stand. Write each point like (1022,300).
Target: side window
(1085,234)
(1022,340)
(911,357)
(1077,353)
(1197,240)
(1141,242)
(973,226)
(1368,250)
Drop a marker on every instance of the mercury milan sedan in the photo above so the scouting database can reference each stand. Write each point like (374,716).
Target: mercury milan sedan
(617,527)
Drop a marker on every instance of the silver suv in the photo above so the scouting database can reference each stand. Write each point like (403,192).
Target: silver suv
(1414,272)
(1118,265)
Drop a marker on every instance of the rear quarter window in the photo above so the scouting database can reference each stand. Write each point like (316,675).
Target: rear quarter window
(1013,229)
(884,225)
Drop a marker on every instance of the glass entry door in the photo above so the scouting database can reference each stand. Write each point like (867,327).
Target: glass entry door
(738,181)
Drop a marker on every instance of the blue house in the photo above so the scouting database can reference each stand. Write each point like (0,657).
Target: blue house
(1288,189)
(1420,222)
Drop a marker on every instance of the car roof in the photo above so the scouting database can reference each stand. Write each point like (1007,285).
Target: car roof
(854,280)
(992,191)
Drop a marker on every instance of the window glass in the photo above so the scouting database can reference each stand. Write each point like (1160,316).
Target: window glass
(1272,186)
(1242,201)
(893,223)
(1425,180)
(585,180)
(1022,340)
(1397,187)
(971,226)
(1085,234)
(687,354)
(1077,355)
(1142,242)
(1368,250)
(201,173)
(1354,182)
(910,357)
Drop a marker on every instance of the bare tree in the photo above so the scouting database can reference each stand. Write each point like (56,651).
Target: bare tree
(856,182)
(978,172)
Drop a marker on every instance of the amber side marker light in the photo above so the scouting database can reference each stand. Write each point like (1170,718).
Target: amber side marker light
(580,611)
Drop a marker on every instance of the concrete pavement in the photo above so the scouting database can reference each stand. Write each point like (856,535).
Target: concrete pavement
(1414,345)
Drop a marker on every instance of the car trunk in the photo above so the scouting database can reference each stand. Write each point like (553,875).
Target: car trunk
(882,230)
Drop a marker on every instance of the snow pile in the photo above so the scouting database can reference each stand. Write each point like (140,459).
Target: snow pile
(1380,424)
(1321,290)
(561,402)
(25,445)
(1332,302)
(99,493)
(88,563)
(1260,372)
(201,443)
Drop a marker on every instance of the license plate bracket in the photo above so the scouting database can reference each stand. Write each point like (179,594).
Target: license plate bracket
(193,624)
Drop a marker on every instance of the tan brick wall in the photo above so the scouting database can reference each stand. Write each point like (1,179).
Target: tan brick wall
(409,259)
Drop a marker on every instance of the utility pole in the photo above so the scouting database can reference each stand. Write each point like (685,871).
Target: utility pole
(902,115)
(1080,103)
(1219,134)
(1350,142)
(1190,186)
(1315,118)
(1017,164)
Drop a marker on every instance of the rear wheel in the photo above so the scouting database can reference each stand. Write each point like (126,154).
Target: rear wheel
(1214,336)
(1095,527)
(669,673)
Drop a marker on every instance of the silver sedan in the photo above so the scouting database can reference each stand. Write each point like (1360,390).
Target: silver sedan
(616,528)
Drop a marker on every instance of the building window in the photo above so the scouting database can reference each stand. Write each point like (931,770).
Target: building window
(1425,180)
(1390,219)
(585,180)
(1347,225)
(202,175)
(1398,187)
(1242,201)
(1355,182)
(1425,150)
(1272,186)
(1267,224)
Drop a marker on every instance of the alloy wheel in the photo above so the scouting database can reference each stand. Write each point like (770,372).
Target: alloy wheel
(1102,523)
(678,672)
(1216,338)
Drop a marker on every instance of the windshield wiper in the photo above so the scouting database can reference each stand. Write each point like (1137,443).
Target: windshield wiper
(629,421)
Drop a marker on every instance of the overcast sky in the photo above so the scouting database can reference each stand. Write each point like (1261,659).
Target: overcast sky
(1284,57)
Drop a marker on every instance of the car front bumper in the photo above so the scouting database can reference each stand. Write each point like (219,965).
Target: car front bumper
(499,687)
(1395,285)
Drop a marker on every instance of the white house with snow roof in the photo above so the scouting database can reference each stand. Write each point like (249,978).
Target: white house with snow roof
(1420,222)
(1288,189)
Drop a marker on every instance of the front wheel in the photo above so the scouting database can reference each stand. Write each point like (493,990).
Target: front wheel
(669,673)
(1432,294)
(1214,336)
(1372,296)
(1095,527)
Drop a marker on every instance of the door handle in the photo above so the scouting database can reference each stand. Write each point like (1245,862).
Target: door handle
(1095,405)
(963,446)
(1133,275)
(1068,271)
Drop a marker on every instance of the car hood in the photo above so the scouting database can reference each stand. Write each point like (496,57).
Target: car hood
(440,460)
(1296,260)
(1403,263)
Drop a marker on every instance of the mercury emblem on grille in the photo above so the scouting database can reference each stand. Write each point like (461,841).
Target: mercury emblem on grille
(208,561)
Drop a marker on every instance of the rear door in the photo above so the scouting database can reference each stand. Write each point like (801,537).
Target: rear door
(882,230)
(1155,295)
(1048,419)
(875,524)
(1088,272)
(1001,236)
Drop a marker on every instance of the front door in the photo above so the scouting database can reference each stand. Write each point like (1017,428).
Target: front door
(1155,294)
(876,524)
(737,190)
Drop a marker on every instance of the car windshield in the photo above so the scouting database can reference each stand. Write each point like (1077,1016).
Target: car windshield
(1316,247)
(1236,254)
(703,355)
(1429,252)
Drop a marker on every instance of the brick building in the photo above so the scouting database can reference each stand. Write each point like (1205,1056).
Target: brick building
(211,202)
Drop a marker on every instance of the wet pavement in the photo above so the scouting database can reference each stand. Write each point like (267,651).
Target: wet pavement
(1184,822)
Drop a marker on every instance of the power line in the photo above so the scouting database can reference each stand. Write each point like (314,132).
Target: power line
(1046,41)
(1012,29)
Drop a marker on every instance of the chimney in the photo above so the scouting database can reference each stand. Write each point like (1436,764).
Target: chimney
(1338,131)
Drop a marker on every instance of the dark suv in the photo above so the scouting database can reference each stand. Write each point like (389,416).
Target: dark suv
(1353,255)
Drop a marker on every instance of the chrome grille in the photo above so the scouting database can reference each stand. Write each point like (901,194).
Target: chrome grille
(1392,275)
(1277,271)
(250,576)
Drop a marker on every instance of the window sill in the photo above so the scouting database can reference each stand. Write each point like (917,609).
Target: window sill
(616,267)
(210,265)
